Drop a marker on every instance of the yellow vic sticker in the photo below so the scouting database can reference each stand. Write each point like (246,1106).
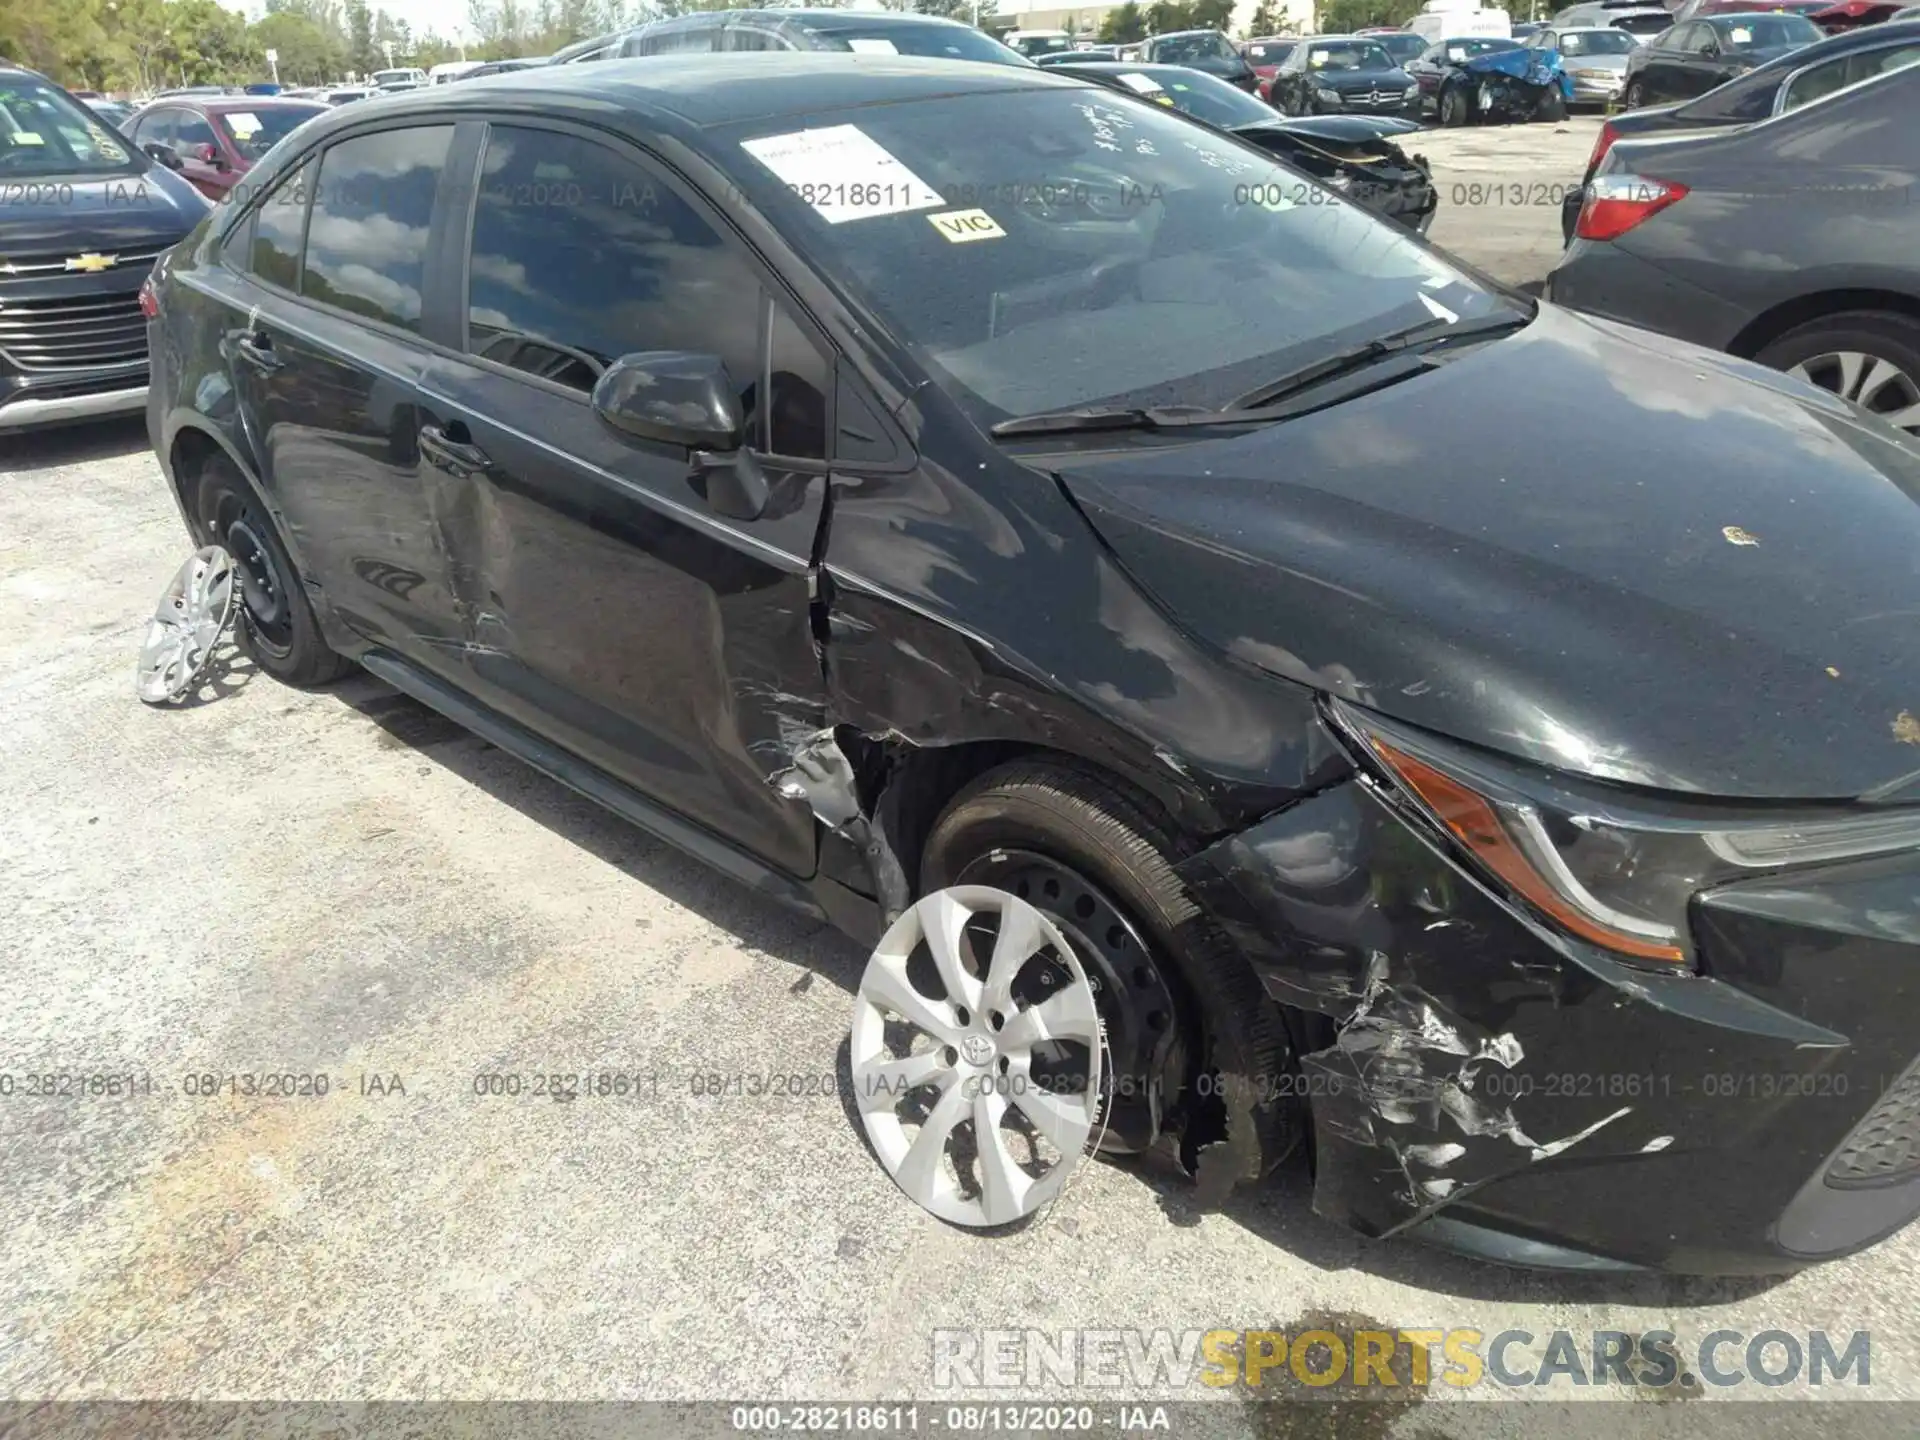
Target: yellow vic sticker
(960,226)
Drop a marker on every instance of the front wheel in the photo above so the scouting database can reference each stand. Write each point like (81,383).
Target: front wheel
(1869,357)
(1453,107)
(1552,108)
(277,628)
(1195,1046)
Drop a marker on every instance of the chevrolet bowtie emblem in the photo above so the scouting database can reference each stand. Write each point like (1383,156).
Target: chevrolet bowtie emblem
(91,262)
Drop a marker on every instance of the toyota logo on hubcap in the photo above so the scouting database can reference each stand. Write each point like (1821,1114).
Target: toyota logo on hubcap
(977,1048)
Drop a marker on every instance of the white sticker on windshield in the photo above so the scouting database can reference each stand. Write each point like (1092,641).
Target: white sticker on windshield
(843,173)
(872,47)
(1740,35)
(1140,84)
(243,123)
(27,137)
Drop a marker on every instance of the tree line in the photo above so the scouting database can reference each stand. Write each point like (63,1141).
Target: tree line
(144,45)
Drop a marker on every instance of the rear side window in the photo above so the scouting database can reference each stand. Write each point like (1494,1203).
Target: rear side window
(372,205)
(274,254)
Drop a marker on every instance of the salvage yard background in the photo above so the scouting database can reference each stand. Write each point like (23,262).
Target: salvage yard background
(344,883)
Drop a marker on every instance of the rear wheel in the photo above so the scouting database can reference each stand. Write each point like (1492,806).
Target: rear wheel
(1194,1045)
(1869,357)
(1636,95)
(277,628)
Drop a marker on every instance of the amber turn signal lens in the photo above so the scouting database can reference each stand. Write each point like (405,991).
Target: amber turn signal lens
(1471,819)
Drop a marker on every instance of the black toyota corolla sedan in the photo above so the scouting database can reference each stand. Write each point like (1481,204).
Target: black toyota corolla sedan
(898,474)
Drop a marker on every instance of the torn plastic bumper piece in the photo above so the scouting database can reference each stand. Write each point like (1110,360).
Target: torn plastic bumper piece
(1483,1082)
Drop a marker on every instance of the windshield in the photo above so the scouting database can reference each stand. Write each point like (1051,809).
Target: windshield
(1596,42)
(1349,55)
(254,132)
(1047,249)
(43,132)
(1643,25)
(1458,50)
(1268,54)
(952,42)
(1763,32)
(1402,47)
(1213,100)
(1205,45)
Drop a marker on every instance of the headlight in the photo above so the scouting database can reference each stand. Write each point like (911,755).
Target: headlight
(1610,866)
(1325,94)
(1410,93)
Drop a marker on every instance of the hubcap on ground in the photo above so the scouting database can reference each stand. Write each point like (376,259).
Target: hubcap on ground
(1874,384)
(194,611)
(978,1103)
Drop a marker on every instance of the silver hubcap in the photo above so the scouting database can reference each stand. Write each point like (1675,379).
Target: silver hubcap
(194,612)
(962,1092)
(1874,384)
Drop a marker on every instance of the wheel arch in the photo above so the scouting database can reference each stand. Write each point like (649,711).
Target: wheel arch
(1770,325)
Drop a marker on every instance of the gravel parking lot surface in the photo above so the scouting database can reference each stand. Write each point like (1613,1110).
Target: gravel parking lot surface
(342,884)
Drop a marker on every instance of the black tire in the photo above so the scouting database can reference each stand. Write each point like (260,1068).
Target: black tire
(276,627)
(1878,334)
(1553,108)
(1453,107)
(1082,819)
(1635,97)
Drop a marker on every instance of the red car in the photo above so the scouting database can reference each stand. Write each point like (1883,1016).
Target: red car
(213,141)
(1265,55)
(1832,16)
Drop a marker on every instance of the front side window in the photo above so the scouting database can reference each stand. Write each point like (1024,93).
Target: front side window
(1048,249)
(581,255)
(191,131)
(45,134)
(372,206)
(692,39)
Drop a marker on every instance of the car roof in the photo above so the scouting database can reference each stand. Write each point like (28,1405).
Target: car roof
(704,90)
(1730,19)
(221,104)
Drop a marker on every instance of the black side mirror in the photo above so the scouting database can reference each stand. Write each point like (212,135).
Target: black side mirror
(165,154)
(681,397)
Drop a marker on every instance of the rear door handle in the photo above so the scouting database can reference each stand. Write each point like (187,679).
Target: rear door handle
(256,348)
(456,454)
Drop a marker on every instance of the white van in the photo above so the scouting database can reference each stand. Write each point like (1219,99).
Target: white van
(452,70)
(397,79)
(1450,20)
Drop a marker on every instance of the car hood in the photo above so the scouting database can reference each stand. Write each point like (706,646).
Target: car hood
(127,212)
(1584,545)
(1226,67)
(1343,129)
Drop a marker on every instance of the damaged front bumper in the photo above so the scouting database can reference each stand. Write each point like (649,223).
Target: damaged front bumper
(1483,1083)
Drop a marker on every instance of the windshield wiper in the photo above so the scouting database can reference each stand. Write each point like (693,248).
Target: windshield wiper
(1281,399)
(1345,362)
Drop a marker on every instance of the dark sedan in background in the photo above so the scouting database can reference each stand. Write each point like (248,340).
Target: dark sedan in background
(1207,51)
(1698,55)
(213,143)
(1358,155)
(1265,55)
(1342,75)
(1791,242)
(1780,85)
(83,215)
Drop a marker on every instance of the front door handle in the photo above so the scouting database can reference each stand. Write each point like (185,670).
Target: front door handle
(453,451)
(256,348)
